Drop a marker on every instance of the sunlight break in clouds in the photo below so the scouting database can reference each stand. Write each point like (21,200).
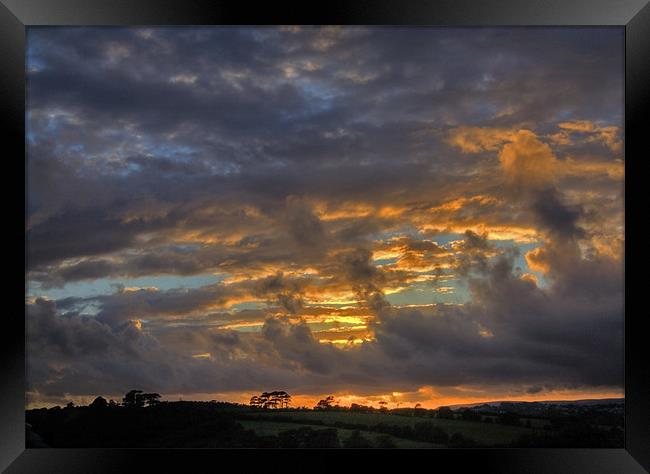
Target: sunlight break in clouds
(407,215)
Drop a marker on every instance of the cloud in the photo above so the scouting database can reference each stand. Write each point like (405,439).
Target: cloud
(78,355)
(528,162)
(477,139)
(536,260)
(536,336)
(286,291)
(304,226)
(339,184)
(608,135)
(556,216)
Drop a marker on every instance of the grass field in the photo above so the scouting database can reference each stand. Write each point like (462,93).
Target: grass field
(273,428)
(485,434)
(213,425)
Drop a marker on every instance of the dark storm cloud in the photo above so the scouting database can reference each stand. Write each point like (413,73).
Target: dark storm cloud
(234,123)
(59,237)
(511,332)
(80,355)
(556,216)
(287,291)
(304,226)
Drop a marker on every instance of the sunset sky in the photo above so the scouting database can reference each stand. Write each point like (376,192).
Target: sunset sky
(413,215)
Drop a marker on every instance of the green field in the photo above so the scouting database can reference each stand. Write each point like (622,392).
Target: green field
(485,434)
(214,425)
(272,428)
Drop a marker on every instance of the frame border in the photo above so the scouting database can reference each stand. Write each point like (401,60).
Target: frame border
(633,15)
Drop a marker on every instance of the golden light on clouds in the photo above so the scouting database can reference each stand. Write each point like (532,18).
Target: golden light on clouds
(536,260)
(527,161)
(478,139)
(202,355)
(609,135)
(613,169)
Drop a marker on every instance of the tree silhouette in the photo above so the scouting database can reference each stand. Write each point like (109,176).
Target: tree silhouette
(131,399)
(278,399)
(284,398)
(325,404)
(268,401)
(256,401)
(138,399)
(99,403)
(150,399)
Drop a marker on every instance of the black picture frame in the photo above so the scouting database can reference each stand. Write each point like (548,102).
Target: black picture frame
(633,15)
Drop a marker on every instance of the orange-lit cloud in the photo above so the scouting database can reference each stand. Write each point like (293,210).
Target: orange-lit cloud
(477,139)
(536,260)
(608,135)
(527,161)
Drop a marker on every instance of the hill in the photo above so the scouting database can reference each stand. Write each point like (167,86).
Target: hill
(227,425)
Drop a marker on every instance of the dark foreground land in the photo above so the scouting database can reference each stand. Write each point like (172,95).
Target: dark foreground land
(226,425)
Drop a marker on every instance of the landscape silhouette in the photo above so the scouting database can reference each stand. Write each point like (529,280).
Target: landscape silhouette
(142,420)
(349,236)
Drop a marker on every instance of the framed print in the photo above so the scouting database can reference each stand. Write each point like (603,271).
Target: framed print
(363,228)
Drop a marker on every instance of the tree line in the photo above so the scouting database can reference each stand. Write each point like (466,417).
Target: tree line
(277,399)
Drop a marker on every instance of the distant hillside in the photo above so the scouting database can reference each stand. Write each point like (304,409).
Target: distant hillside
(585,402)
